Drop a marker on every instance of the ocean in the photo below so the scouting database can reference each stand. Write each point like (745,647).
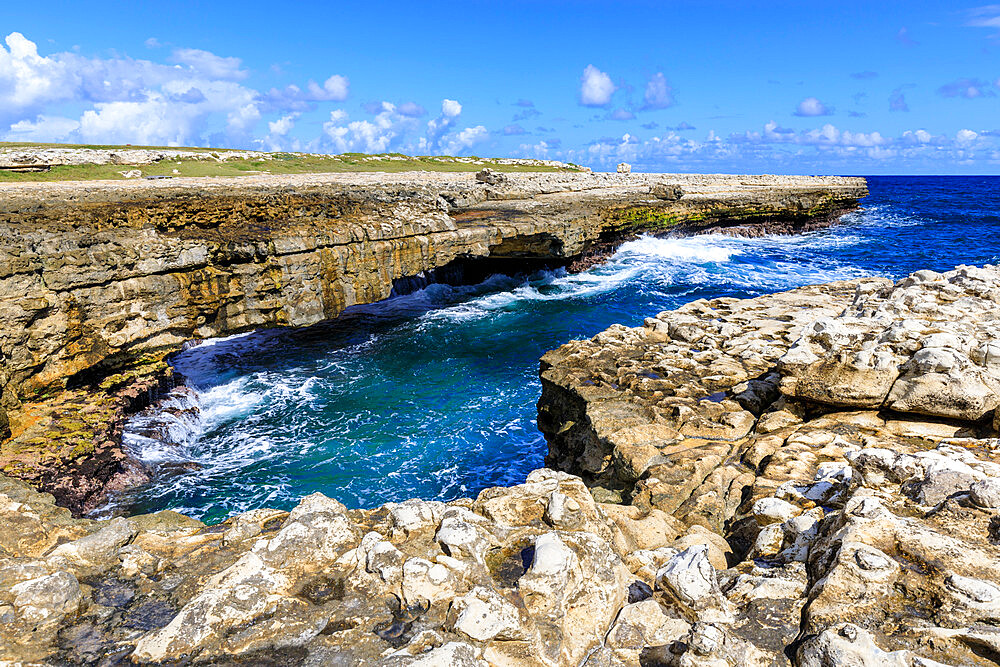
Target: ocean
(432,394)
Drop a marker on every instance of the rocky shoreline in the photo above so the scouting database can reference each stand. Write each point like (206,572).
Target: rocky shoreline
(100,281)
(805,478)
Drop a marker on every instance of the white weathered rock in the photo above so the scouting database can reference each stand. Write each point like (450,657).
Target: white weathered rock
(711,645)
(644,624)
(47,600)
(718,552)
(848,645)
(977,593)
(96,552)
(483,614)
(427,581)
(249,525)
(464,534)
(316,533)
(986,493)
(773,510)
(563,512)
(454,654)
(645,563)
(554,568)
(573,590)
(414,515)
(913,347)
(136,561)
(381,557)
(770,540)
(800,531)
(691,580)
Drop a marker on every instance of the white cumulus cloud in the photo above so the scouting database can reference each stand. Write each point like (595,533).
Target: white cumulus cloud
(811,106)
(363,136)
(43,128)
(916,137)
(210,65)
(333,89)
(123,100)
(292,97)
(596,87)
(282,126)
(397,128)
(438,127)
(965,137)
(659,94)
(27,80)
(459,142)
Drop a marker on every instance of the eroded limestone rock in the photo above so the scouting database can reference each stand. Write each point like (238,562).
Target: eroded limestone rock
(926,345)
(863,491)
(759,529)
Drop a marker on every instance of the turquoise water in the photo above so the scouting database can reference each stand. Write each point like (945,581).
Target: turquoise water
(433,394)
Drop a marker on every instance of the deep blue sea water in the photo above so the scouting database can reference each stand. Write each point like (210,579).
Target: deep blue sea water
(433,394)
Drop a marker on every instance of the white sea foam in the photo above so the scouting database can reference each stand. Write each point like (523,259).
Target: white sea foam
(649,262)
(881,216)
(696,249)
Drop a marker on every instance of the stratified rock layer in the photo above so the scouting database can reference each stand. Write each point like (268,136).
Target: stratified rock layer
(99,281)
(758,528)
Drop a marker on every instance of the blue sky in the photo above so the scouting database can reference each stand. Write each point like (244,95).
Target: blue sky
(781,87)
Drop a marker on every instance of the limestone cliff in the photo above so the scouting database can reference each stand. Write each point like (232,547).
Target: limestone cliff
(100,281)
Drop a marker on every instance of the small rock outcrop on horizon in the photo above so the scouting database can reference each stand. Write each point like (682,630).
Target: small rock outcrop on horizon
(722,511)
(490,177)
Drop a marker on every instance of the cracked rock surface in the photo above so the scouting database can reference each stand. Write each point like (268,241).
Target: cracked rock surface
(841,438)
(750,526)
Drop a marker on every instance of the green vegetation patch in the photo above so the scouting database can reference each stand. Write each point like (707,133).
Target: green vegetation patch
(642,218)
(215,165)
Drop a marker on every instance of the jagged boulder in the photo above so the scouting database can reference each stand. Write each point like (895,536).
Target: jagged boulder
(666,191)
(490,177)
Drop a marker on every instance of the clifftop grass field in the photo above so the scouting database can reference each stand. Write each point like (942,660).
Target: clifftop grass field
(95,162)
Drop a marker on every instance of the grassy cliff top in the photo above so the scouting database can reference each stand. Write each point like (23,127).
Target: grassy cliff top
(74,162)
